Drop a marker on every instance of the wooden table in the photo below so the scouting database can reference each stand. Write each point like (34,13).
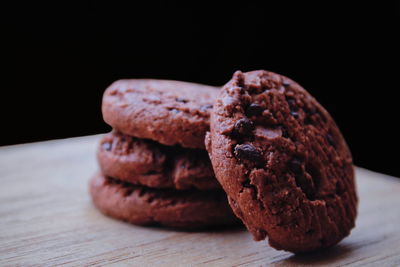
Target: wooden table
(47,219)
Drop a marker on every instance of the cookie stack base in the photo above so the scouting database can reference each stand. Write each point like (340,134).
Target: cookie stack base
(147,206)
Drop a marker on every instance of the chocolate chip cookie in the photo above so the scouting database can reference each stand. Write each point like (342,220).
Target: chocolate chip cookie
(283,162)
(148,163)
(145,206)
(169,112)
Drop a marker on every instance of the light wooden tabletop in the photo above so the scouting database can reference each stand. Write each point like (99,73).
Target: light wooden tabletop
(47,219)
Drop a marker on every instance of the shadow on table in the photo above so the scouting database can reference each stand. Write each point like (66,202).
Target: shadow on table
(326,256)
(210,229)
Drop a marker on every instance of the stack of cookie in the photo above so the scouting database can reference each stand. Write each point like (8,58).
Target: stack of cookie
(276,152)
(154,167)
(282,161)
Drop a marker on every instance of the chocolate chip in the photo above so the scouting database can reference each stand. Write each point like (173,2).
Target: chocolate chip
(254,89)
(285,132)
(306,186)
(330,140)
(253,192)
(248,152)
(182,100)
(254,110)
(247,184)
(295,165)
(293,107)
(292,104)
(285,83)
(106,146)
(307,180)
(243,127)
(309,115)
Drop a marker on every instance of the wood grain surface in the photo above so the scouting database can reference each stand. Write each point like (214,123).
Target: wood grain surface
(47,219)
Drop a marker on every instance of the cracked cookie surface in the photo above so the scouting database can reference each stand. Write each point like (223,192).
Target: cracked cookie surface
(146,206)
(169,112)
(148,163)
(283,162)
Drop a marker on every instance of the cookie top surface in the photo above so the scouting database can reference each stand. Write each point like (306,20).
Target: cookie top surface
(145,206)
(148,163)
(283,162)
(169,112)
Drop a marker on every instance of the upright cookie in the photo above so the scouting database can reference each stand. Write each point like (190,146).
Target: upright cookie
(283,162)
(148,163)
(169,112)
(145,206)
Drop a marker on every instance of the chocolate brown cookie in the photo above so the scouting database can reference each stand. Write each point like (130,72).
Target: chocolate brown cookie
(283,162)
(145,162)
(169,112)
(145,206)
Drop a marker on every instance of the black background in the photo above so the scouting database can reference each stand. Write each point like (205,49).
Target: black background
(57,59)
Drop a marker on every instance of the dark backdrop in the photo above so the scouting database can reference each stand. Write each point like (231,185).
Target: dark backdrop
(58,59)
